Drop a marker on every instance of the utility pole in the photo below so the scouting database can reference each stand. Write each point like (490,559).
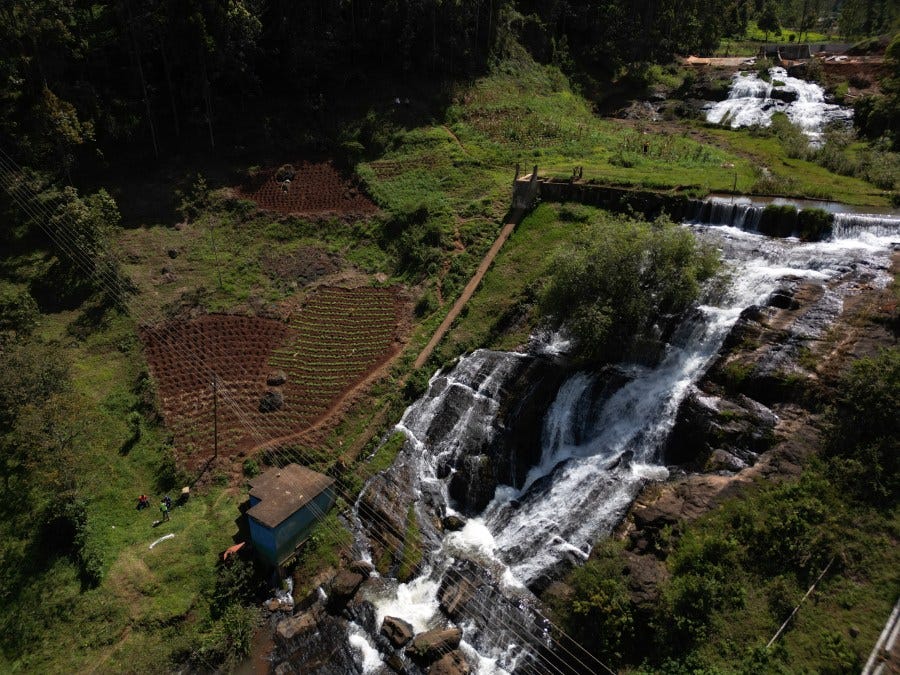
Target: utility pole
(212,239)
(215,416)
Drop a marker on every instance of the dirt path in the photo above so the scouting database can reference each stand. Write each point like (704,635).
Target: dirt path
(515,218)
(455,138)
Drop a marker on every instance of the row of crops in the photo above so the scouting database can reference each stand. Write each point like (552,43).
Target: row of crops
(338,336)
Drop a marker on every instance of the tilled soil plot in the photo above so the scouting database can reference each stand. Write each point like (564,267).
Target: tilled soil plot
(315,188)
(275,379)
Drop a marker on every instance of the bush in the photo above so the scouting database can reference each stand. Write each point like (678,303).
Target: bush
(702,582)
(779,220)
(814,224)
(228,640)
(864,429)
(250,468)
(621,279)
(193,201)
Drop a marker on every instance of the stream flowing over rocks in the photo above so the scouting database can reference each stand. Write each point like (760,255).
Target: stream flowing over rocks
(752,100)
(515,464)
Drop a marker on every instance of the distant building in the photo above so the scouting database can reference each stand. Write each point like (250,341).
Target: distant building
(285,503)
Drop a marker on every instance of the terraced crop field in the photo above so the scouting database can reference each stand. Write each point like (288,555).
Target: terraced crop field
(336,339)
(316,188)
(330,344)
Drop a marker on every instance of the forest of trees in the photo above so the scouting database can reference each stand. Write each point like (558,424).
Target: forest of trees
(78,78)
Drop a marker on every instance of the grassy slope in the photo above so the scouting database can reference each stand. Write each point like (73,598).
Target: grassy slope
(135,619)
(858,592)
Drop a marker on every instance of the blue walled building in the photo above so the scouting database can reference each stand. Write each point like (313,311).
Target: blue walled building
(285,503)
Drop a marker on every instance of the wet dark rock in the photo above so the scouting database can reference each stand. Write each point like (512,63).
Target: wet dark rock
(473,483)
(363,613)
(454,595)
(314,642)
(383,509)
(297,626)
(733,430)
(342,588)
(361,567)
(428,646)
(453,523)
(276,378)
(271,401)
(397,631)
(786,95)
(453,663)
(783,300)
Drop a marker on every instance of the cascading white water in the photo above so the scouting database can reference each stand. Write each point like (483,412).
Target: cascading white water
(750,101)
(746,214)
(596,454)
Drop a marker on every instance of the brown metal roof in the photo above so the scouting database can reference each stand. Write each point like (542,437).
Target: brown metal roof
(284,491)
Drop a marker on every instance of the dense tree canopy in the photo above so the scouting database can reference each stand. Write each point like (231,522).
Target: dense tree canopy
(78,78)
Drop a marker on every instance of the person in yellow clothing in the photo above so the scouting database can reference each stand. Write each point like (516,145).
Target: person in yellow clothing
(164,508)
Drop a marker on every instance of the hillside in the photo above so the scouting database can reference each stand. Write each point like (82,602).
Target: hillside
(216,262)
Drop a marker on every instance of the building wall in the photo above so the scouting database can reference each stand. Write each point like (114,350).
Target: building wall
(263,540)
(276,544)
(296,527)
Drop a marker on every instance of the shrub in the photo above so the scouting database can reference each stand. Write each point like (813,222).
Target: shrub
(779,220)
(864,428)
(814,224)
(702,582)
(620,280)
(193,201)
(599,613)
(250,468)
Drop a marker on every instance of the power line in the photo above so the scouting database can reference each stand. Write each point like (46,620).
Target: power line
(112,282)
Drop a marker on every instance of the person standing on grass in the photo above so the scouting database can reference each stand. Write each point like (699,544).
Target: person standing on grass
(164,508)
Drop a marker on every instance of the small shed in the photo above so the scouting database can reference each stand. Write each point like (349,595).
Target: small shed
(285,503)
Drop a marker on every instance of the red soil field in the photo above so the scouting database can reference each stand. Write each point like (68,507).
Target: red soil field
(331,344)
(316,188)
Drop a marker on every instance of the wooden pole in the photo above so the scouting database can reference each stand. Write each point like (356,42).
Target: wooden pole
(215,416)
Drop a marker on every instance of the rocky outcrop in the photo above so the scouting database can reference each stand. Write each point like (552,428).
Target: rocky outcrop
(453,663)
(342,588)
(396,630)
(431,645)
(314,642)
(754,416)
(384,505)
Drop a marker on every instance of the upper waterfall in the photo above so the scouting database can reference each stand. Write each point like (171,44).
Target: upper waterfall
(753,100)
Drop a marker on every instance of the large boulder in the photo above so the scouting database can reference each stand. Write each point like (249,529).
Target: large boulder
(271,401)
(297,626)
(453,663)
(342,588)
(429,646)
(397,631)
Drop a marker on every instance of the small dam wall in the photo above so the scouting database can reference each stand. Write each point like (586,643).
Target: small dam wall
(645,203)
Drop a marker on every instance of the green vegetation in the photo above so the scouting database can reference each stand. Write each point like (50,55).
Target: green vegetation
(412,547)
(863,443)
(619,278)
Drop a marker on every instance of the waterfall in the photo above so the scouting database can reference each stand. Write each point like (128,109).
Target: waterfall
(752,101)
(852,225)
(739,213)
(601,441)
(746,214)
